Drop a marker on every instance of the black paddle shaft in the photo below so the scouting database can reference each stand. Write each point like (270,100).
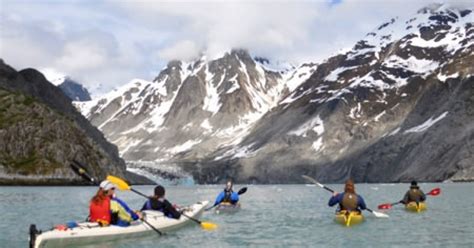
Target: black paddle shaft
(140,193)
(152,227)
(328,189)
(81,171)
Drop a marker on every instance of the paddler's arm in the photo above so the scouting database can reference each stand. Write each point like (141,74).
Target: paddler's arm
(335,199)
(170,210)
(423,196)
(234,197)
(361,202)
(219,199)
(405,199)
(126,208)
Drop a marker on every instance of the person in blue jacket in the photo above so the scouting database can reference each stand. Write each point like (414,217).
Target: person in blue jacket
(227,196)
(349,200)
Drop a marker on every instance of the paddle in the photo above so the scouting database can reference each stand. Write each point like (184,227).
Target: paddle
(240,192)
(386,206)
(122,185)
(81,171)
(377,214)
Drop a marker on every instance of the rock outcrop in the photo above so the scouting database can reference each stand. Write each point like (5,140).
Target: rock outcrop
(41,132)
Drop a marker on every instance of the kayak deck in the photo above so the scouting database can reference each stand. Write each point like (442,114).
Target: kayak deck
(90,232)
(413,207)
(227,208)
(349,219)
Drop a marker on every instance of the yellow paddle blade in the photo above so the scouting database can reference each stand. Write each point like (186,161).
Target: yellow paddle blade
(121,184)
(208,226)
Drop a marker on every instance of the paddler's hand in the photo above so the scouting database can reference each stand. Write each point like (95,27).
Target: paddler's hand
(334,194)
(176,206)
(140,215)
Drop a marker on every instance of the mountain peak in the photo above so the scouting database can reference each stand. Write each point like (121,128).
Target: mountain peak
(431,8)
(74,90)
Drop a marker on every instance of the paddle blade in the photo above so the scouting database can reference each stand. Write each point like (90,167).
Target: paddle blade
(79,169)
(121,184)
(385,206)
(377,214)
(242,190)
(312,180)
(435,192)
(208,226)
(380,215)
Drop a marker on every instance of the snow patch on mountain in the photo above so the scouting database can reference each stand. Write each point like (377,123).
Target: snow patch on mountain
(427,124)
(315,124)
(443,77)
(318,144)
(184,147)
(211,101)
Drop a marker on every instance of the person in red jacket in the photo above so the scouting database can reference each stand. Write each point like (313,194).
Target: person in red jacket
(106,209)
(99,208)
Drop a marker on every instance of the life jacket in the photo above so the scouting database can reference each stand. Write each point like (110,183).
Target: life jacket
(100,212)
(160,205)
(121,214)
(155,204)
(414,195)
(349,202)
(227,196)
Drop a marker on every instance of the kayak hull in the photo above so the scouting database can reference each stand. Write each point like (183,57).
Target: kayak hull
(91,233)
(348,219)
(413,207)
(227,208)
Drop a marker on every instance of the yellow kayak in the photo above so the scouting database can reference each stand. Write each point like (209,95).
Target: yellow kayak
(413,207)
(225,207)
(349,219)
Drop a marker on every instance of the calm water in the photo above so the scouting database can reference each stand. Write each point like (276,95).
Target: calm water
(271,216)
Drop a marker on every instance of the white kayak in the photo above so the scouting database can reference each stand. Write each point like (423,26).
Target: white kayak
(90,232)
(227,208)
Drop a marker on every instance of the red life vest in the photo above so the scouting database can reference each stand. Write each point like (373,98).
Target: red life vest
(100,212)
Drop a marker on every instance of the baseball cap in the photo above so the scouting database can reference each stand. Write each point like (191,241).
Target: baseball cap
(107,185)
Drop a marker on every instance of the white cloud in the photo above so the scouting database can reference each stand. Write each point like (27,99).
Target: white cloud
(82,55)
(110,42)
(182,50)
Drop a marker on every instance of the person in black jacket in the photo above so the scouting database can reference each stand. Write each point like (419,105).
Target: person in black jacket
(414,194)
(159,203)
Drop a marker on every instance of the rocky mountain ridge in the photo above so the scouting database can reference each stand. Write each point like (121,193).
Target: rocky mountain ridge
(396,107)
(41,132)
(74,90)
(191,107)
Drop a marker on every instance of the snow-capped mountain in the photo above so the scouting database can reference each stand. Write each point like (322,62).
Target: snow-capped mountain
(191,109)
(395,107)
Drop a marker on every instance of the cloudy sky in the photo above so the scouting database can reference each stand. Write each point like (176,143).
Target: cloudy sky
(111,42)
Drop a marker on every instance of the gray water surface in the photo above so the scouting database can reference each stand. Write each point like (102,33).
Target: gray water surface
(271,216)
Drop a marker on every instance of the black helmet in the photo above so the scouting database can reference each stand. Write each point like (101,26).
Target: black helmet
(414,183)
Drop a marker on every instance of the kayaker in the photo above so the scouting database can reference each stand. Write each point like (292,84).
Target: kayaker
(414,194)
(159,203)
(107,209)
(99,207)
(349,200)
(227,196)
